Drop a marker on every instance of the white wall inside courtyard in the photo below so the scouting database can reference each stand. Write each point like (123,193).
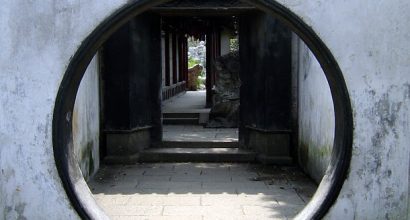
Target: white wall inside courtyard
(316,119)
(86,121)
(37,40)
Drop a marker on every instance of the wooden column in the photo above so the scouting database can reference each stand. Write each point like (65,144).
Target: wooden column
(182,54)
(174,59)
(265,55)
(167,63)
(213,51)
(133,79)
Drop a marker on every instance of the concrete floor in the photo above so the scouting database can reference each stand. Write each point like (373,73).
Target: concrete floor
(193,102)
(188,102)
(201,191)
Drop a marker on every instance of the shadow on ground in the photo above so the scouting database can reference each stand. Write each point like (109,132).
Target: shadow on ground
(201,190)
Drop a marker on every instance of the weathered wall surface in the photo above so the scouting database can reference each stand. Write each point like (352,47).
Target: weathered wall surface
(369,40)
(316,117)
(86,121)
(37,40)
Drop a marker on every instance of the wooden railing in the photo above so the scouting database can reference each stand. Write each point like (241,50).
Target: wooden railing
(173,90)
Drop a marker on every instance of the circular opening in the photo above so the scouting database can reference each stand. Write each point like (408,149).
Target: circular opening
(73,182)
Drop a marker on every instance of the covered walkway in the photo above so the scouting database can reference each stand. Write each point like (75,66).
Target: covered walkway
(187,102)
(193,102)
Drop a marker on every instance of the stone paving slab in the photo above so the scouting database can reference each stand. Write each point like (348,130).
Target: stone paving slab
(203,179)
(189,102)
(165,154)
(237,200)
(243,217)
(133,210)
(165,200)
(203,210)
(140,179)
(201,191)
(124,217)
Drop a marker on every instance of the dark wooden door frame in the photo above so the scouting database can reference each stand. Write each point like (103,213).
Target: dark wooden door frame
(213,51)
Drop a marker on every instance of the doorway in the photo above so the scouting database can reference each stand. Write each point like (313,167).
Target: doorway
(339,161)
(191,121)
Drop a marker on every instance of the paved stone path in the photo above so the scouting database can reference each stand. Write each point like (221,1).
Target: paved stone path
(201,191)
(189,102)
(198,133)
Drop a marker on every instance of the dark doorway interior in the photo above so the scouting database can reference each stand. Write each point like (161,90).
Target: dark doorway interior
(186,112)
(146,67)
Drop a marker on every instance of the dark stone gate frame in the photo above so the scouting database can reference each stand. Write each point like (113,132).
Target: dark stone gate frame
(69,171)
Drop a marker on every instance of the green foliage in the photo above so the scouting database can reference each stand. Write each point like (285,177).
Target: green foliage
(200,82)
(192,62)
(234,44)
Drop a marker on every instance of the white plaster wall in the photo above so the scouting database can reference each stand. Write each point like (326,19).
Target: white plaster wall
(37,39)
(86,121)
(316,118)
(370,40)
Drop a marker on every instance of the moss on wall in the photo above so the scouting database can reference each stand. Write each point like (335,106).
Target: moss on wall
(86,161)
(315,114)
(85,124)
(314,159)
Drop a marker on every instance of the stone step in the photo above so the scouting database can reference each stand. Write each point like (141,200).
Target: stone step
(180,115)
(197,155)
(180,121)
(197,144)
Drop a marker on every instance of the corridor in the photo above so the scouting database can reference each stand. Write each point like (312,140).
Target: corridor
(184,106)
(187,102)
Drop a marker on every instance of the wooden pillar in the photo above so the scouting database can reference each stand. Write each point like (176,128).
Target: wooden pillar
(208,81)
(213,51)
(174,59)
(167,63)
(265,55)
(182,54)
(185,59)
(133,79)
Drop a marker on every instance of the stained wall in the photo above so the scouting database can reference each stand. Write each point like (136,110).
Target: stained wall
(368,39)
(315,112)
(86,121)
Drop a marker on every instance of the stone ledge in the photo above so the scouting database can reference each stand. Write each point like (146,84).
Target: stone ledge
(274,160)
(123,147)
(126,159)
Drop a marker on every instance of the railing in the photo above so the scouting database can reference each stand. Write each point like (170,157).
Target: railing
(173,90)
